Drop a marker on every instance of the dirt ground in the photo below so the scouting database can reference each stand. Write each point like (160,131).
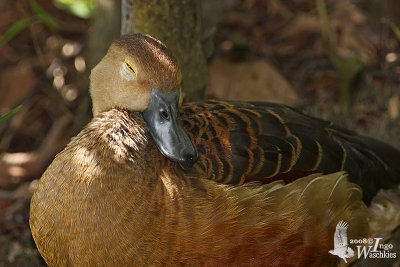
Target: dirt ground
(264,50)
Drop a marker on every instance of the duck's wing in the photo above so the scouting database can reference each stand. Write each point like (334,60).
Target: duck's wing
(265,141)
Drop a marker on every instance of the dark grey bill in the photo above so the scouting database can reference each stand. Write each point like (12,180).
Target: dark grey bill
(162,118)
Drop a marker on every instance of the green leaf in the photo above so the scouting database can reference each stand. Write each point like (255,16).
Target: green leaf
(348,68)
(10,113)
(45,17)
(80,8)
(394,28)
(14,30)
(323,18)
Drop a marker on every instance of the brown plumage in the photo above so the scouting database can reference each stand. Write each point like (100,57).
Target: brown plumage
(154,64)
(110,199)
(239,142)
(243,141)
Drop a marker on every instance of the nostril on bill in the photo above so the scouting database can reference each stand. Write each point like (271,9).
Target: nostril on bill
(192,156)
(189,158)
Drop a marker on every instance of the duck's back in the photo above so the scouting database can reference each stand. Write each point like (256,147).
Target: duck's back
(263,141)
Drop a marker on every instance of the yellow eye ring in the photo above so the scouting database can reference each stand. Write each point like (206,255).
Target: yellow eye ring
(130,68)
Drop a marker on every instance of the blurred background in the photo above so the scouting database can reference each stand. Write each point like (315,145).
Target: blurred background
(335,59)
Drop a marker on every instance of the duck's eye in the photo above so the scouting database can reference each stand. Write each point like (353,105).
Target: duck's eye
(164,114)
(130,68)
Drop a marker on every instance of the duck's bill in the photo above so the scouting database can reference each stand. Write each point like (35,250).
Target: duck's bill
(162,118)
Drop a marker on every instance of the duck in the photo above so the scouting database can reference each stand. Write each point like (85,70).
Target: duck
(233,142)
(239,142)
(140,73)
(152,181)
(110,198)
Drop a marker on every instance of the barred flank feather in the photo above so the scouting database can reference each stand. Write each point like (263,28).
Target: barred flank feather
(240,141)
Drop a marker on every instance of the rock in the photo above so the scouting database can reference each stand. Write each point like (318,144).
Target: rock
(249,81)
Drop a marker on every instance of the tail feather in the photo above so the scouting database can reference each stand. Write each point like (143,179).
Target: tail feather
(389,154)
(371,163)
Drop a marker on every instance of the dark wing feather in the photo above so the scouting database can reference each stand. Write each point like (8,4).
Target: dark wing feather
(267,141)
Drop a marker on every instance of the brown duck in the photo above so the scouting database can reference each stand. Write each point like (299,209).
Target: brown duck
(236,142)
(111,199)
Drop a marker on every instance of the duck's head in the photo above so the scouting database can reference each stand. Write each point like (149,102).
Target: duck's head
(139,73)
